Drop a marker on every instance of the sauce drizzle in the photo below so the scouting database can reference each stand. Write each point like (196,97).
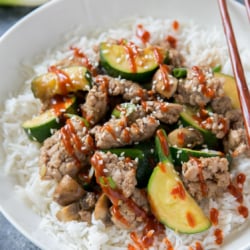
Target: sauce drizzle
(63,78)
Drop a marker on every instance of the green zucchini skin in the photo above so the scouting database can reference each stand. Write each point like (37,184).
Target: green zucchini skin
(181,155)
(113,68)
(41,127)
(145,154)
(44,125)
(187,120)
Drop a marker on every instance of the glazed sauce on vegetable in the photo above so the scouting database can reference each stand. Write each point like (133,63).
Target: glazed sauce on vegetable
(63,78)
(162,167)
(131,51)
(59,104)
(142,34)
(179,191)
(163,142)
(190,219)
(214,215)
(158,55)
(180,139)
(218,236)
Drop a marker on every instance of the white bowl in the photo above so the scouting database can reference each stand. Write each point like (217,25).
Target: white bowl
(45,28)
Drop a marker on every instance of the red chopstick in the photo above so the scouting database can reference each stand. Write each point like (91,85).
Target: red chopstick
(247,3)
(239,75)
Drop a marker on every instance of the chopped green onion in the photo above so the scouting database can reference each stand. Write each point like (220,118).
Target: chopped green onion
(217,68)
(107,182)
(22,2)
(179,72)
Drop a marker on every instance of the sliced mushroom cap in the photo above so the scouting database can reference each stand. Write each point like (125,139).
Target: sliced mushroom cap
(164,83)
(101,211)
(69,213)
(68,191)
(185,137)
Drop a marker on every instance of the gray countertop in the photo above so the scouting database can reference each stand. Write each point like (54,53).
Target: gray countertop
(10,238)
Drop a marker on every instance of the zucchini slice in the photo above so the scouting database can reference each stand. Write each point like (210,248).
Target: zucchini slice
(187,117)
(61,82)
(43,126)
(230,88)
(170,202)
(129,62)
(181,155)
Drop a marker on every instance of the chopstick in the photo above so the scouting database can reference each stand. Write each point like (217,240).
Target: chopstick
(247,3)
(239,75)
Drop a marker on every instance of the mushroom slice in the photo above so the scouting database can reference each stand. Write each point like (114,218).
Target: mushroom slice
(101,211)
(164,83)
(68,191)
(185,137)
(69,213)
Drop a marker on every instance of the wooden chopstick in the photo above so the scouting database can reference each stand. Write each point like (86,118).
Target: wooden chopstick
(239,75)
(247,3)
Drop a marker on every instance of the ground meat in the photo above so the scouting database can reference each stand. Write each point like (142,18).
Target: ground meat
(131,111)
(95,106)
(123,216)
(217,124)
(206,177)
(55,158)
(236,142)
(129,90)
(122,171)
(165,112)
(235,118)
(87,202)
(221,104)
(199,88)
(117,132)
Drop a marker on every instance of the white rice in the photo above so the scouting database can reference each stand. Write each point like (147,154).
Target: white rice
(199,47)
